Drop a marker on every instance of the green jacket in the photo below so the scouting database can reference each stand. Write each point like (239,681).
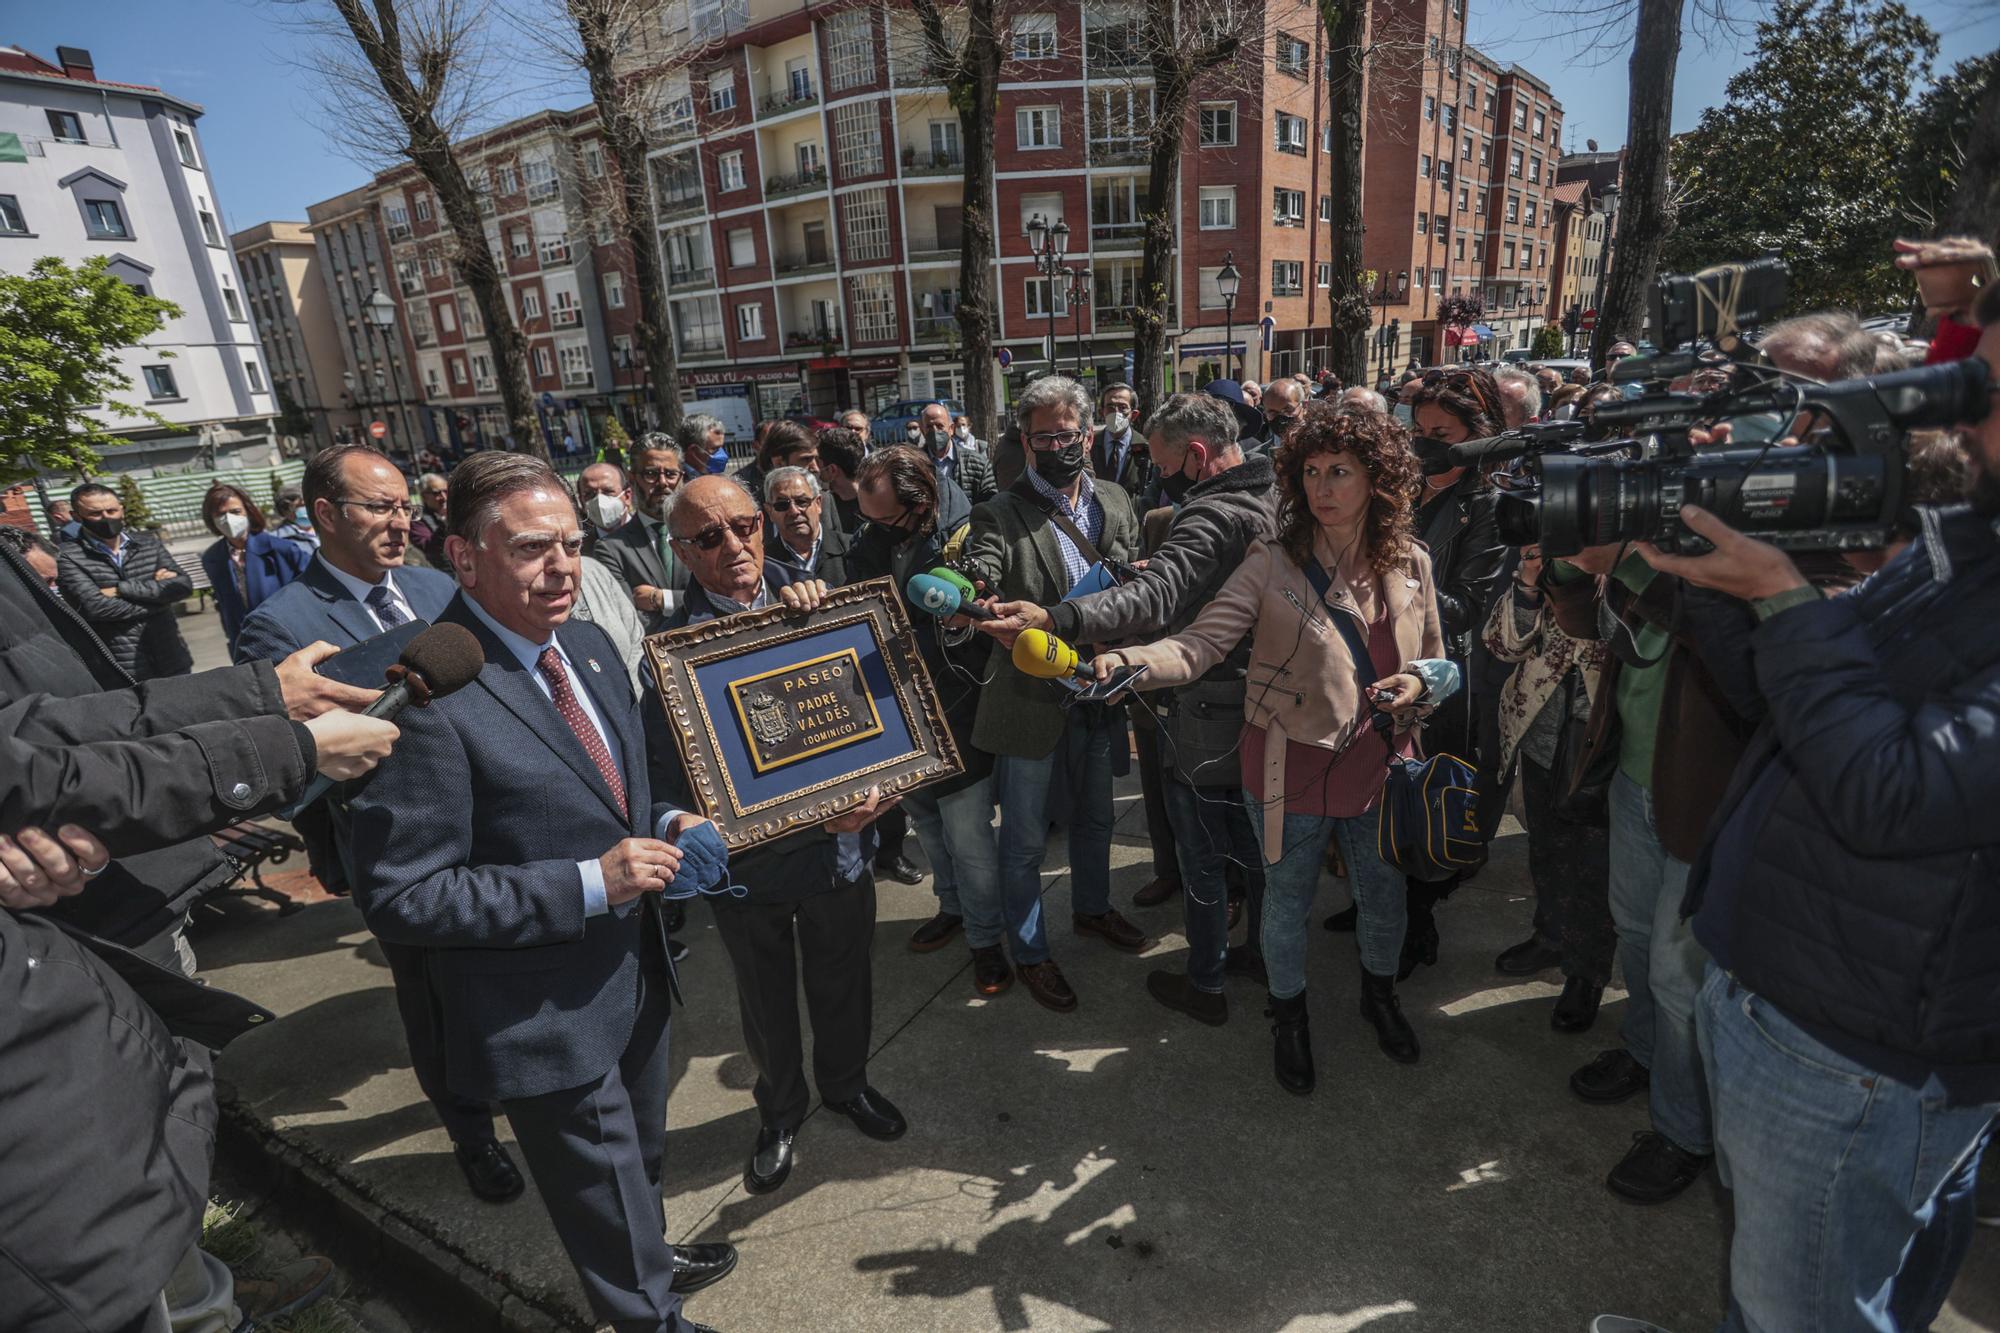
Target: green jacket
(1012,549)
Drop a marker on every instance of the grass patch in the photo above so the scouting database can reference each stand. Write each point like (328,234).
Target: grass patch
(230,1237)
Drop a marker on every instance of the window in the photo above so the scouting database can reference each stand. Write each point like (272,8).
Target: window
(1326,208)
(457,371)
(66,126)
(1430,107)
(944,142)
(1491,101)
(1038,127)
(531,304)
(1440,225)
(1323,275)
(1458,248)
(593,161)
(1482,203)
(1423,224)
(256,376)
(1451,57)
(1218,207)
(551,237)
(721,92)
(184,146)
(1514,163)
(431,381)
(867,219)
(1464,198)
(798,78)
(1451,120)
(1293,55)
(433,264)
(399,221)
(1424,166)
(811,160)
(545,364)
(614,290)
(1287,277)
(469,317)
(447,317)
(606,231)
(742,248)
(510,179)
(1465,149)
(1218,125)
(105,220)
(1478,249)
(857,138)
(1520,116)
(1038,298)
(850,49)
(482,372)
(1289,133)
(1035,37)
(160,383)
(575,361)
(729,167)
(564,312)
(872,297)
(1121,118)
(1437,279)
(1535,168)
(1048,207)
(209,231)
(1513,208)
(518,243)
(1326,138)
(621,351)
(1472,94)
(1541,124)
(423,207)
(1530,218)
(231,301)
(1288,208)
(12,221)
(750,321)
(1507,255)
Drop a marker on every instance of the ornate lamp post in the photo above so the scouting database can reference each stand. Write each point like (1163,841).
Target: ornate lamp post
(1049,244)
(1228,282)
(1387,295)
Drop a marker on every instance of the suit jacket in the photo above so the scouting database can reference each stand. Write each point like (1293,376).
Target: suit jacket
(1134,475)
(316,605)
(834,546)
(138,624)
(466,843)
(269,563)
(1012,548)
(632,551)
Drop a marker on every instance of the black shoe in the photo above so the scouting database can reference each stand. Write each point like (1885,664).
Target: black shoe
(990,972)
(1291,1051)
(1343,922)
(689,1326)
(1175,991)
(677,916)
(1420,943)
(770,1160)
(1157,891)
(1655,1170)
(676,951)
(1384,1012)
(901,869)
(1612,1077)
(1528,957)
(935,933)
(698,1266)
(1576,1011)
(489,1170)
(1246,962)
(873,1114)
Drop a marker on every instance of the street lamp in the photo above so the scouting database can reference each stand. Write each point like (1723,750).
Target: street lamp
(1385,297)
(1079,291)
(1227,282)
(378,315)
(1048,244)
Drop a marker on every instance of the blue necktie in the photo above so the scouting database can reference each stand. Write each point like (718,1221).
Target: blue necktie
(384,606)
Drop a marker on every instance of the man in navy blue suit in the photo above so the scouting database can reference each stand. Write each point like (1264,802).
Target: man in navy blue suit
(355,588)
(517,847)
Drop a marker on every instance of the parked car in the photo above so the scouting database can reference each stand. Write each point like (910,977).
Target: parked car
(888,425)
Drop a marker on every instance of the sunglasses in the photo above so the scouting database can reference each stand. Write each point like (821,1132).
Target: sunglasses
(710,538)
(785,504)
(1460,381)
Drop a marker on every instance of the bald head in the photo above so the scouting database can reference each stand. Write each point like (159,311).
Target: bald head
(1364,398)
(719,535)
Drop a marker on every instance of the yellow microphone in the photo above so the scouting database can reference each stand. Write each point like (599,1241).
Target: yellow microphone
(1039,653)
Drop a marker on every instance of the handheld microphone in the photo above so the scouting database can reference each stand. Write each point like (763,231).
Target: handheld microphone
(436,662)
(957,580)
(1039,653)
(934,596)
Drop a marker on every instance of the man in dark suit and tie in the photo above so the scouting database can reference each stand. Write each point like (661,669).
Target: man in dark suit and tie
(355,588)
(1118,450)
(518,850)
(638,550)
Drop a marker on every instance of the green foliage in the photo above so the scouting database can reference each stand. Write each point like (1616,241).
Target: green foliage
(614,434)
(1548,342)
(1941,130)
(292,419)
(138,514)
(60,331)
(277,489)
(1460,311)
(1807,151)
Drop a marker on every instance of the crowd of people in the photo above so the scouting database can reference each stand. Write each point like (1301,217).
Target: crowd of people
(1754,785)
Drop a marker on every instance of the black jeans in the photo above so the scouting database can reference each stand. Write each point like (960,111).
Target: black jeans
(1571,866)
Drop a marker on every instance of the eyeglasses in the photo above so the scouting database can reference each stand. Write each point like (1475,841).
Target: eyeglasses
(709,538)
(382,508)
(1043,441)
(659,474)
(785,504)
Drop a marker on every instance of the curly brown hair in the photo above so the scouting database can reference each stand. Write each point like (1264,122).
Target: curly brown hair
(1381,445)
(1469,393)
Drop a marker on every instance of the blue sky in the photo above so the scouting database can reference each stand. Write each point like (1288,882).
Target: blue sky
(235,57)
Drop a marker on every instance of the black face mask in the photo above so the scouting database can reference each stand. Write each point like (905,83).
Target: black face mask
(1060,467)
(1175,486)
(1431,454)
(104,529)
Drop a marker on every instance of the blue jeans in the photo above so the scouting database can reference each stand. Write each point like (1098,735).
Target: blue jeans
(1663,967)
(1021,786)
(1211,827)
(1854,1193)
(1380,899)
(957,836)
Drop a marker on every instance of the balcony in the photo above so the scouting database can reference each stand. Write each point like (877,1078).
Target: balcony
(949,162)
(1288,220)
(929,250)
(787,99)
(1126,152)
(682,203)
(696,344)
(778,187)
(1111,317)
(574,378)
(934,328)
(1288,287)
(1117,236)
(818,335)
(543,189)
(796,265)
(566,316)
(554,254)
(1118,48)
(679,278)
(399,231)
(675,120)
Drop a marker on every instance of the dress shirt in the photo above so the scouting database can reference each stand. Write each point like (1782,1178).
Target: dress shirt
(946,464)
(1119,453)
(1087,514)
(359,591)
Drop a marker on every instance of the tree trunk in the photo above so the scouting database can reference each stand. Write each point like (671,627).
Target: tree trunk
(618,118)
(1642,204)
(975,94)
(1346,24)
(1153,313)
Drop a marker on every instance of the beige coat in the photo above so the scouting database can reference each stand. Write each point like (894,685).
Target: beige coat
(1302,683)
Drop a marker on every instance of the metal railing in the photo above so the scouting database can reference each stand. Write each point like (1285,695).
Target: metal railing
(1117,235)
(933,328)
(947,163)
(690,277)
(795,183)
(1119,152)
(818,336)
(691,345)
(787,100)
(794,263)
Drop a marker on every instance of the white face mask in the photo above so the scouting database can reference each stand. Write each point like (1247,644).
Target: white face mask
(964,432)
(606,511)
(1117,422)
(235,526)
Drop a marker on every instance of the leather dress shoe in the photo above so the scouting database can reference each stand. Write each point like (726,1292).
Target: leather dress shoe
(1612,1077)
(1655,1170)
(1047,984)
(935,933)
(770,1161)
(1114,929)
(901,869)
(1527,958)
(1175,991)
(990,973)
(1157,892)
(873,1114)
(1576,1011)
(489,1171)
(698,1266)
(1246,961)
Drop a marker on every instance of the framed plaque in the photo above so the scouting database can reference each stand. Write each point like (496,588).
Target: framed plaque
(787,718)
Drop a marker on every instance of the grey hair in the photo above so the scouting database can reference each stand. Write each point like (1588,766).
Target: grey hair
(481,482)
(694,430)
(656,442)
(1190,416)
(1052,391)
(1832,340)
(430,477)
(778,475)
(1531,389)
(1365,398)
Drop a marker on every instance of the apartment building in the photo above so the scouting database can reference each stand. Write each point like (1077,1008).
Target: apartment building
(375,382)
(91,168)
(1605,174)
(294,315)
(1580,232)
(807,174)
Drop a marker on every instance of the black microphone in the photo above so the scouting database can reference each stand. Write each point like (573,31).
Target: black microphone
(436,662)
(1516,443)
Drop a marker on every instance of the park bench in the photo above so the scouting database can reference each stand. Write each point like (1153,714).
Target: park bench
(253,846)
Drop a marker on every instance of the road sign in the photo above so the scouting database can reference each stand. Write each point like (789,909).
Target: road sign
(378,429)
(1589,321)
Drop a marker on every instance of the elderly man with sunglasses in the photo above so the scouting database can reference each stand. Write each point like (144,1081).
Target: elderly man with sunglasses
(799,534)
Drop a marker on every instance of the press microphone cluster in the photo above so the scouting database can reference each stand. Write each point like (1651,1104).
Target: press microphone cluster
(1039,653)
(436,662)
(944,593)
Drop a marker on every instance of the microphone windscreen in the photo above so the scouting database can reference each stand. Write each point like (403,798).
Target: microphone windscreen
(1039,653)
(966,592)
(932,595)
(448,657)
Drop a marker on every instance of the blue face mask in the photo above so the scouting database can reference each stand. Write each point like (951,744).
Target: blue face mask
(704,865)
(300,515)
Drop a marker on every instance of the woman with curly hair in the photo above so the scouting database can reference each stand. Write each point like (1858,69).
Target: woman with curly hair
(1313,759)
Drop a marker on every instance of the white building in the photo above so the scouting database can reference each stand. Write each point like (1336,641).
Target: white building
(93,168)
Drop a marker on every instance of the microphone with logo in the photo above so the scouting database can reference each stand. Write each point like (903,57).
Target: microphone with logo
(436,662)
(943,594)
(1039,653)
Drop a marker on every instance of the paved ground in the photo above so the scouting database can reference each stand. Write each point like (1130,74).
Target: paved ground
(1116,1168)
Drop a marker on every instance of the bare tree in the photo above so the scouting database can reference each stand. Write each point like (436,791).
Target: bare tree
(417,85)
(1643,215)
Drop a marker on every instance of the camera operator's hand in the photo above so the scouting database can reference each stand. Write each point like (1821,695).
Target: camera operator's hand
(308,694)
(1596,559)
(350,744)
(805,595)
(1740,566)
(36,869)
(1951,271)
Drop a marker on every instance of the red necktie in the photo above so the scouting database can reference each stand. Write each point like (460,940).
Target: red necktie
(551,665)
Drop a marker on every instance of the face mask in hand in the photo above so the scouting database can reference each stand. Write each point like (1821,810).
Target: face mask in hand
(104,529)
(606,511)
(1060,467)
(235,527)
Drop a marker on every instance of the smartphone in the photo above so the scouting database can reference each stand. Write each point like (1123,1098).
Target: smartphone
(366,664)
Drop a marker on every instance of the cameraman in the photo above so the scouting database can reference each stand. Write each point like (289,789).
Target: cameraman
(1848,901)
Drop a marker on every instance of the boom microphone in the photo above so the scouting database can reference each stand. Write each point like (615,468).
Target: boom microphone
(436,662)
(1039,653)
(934,596)
(1531,439)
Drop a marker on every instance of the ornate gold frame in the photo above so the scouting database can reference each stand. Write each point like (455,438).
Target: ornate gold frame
(675,655)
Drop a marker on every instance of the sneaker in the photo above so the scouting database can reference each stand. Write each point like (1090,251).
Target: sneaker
(1656,1169)
(1612,1077)
(289,1290)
